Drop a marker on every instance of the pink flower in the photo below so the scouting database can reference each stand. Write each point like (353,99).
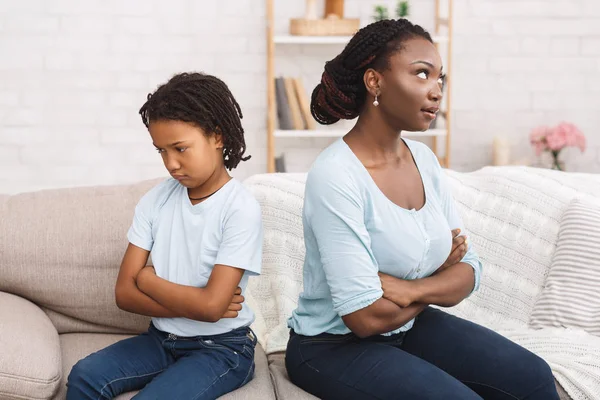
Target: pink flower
(575,137)
(569,132)
(538,134)
(555,139)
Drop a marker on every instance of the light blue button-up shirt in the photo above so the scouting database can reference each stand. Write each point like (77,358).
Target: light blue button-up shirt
(352,231)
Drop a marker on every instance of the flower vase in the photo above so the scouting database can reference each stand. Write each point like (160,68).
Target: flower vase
(557,164)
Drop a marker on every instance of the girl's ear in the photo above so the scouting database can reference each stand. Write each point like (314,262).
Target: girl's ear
(218,140)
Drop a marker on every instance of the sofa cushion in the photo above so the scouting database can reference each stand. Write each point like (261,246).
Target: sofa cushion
(570,296)
(573,355)
(274,295)
(76,346)
(76,239)
(29,351)
(512,216)
(284,388)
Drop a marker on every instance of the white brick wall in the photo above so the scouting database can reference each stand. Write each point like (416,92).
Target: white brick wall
(74,74)
(525,63)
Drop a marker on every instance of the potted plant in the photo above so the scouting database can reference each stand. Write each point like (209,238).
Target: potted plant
(554,139)
(402,9)
(381,13)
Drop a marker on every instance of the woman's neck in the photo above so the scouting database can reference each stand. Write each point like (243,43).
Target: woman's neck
(376,141)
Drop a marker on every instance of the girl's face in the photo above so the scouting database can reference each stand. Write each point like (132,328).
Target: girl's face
(190,155)
(411,88)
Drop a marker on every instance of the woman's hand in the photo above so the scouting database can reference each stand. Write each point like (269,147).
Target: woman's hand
(399,291)
(460,246)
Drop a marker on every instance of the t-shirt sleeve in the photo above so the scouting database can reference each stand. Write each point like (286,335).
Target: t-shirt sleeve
(334,213)
(241,245)
(454,220)
(140,231)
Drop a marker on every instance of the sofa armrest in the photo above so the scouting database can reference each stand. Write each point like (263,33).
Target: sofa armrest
(30,358)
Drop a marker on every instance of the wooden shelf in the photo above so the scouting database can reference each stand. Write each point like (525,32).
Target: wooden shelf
(275,41)
(291,39)
(332,133)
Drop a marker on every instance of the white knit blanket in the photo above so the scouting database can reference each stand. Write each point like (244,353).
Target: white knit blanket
(512,215)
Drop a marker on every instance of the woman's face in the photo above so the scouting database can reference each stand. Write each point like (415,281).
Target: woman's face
(411,88)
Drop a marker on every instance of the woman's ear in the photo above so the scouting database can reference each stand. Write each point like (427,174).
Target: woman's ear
(372,80)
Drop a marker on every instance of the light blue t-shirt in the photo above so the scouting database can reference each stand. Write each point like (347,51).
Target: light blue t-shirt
(186,241)
(352,231)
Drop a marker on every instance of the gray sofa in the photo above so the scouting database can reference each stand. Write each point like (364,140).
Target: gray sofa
(60,255)
(60,251)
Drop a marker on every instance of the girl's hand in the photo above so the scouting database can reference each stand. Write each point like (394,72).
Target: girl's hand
(236,304)
(460,245)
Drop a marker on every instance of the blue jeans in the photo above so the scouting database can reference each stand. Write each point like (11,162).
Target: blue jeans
(165,366)
(441,357)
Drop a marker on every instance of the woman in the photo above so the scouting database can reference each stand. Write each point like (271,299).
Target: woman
(379,223)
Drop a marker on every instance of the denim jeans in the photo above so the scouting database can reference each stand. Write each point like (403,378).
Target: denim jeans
(441,357)
(164,366)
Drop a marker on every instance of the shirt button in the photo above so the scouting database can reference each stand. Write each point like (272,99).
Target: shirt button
(418,270)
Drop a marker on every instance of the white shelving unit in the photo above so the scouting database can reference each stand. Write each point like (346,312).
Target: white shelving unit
(323,132)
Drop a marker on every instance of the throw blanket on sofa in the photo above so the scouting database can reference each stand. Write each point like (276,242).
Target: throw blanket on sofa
(512,215)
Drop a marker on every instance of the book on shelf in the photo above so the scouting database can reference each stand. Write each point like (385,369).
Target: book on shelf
(290,92)
(304,103)
(280,164)
(292,104)
(284,117)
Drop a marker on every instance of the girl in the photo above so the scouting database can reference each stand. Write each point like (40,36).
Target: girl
(204,232)
(378,215)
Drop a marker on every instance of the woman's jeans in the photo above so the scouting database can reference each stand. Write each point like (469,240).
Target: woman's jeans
(164,366)
(441,357)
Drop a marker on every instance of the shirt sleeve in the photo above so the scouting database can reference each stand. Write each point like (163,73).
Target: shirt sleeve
(140,231)
(334,213)
(454,220)
(241,245)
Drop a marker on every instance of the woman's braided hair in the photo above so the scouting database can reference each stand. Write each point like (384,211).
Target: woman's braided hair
(202,100)
(341,93)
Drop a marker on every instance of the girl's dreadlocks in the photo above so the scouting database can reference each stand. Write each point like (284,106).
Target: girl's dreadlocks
(205,101)
(341,93)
